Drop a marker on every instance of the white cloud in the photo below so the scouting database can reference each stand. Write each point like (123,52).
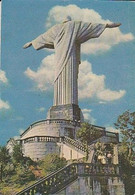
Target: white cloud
(4,105)
(111,129)
(3,77)
(108,95)
(58,14)
(43,77)
(87,115)
(90,84)
(93,86)
(42,109)
(109,38)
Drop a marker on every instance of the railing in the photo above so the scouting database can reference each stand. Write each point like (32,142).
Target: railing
(54,182)
(74,143)
(100,169)
(77,144)
(51,121)
(41,139)
(47,139)
(63,177)
(112,135)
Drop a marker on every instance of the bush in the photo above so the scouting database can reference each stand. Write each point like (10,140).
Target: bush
(51,163)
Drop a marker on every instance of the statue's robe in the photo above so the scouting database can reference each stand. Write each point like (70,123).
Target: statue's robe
(66,39)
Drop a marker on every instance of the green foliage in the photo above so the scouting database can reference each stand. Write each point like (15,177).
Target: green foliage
(51,162)
(23,175)
(17,155)
(15,170)
(4,160)
(18,158)
(100,148)
(4,155)
(88,133)
(19,171)
(127,171)
(126,125)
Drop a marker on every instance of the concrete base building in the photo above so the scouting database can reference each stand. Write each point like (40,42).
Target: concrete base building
(44,136)
(58,136)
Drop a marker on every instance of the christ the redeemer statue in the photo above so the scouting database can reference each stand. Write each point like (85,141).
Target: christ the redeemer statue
(66,38)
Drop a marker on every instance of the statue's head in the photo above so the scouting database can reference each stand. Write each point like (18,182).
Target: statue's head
(67,19)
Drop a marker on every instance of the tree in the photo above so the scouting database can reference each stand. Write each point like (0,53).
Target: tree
(51,163)
(19,158)
(23,175)
(4,155)
(126,124)
(4,159)
(15,170)
(17,154)
(88,133)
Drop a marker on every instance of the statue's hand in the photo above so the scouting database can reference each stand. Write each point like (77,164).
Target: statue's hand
(113,25)
(27,45)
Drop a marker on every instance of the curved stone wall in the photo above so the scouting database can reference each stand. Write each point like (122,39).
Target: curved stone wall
(53,127)
(42,137)
(37,147)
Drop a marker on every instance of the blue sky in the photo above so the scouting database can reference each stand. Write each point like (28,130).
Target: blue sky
(107,72)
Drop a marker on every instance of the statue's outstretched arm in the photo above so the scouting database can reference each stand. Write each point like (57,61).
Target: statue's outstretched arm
(27,45)
(113,25)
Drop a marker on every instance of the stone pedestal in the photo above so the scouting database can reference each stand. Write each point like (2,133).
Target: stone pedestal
(68,112)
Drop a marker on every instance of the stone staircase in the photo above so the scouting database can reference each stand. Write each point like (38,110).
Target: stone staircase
(75,143)
(80,147)
(58,180)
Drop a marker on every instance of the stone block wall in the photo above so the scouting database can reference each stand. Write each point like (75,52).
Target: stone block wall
(67,112)
(50,127)
(70,153)
(43,137)
(37,150)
